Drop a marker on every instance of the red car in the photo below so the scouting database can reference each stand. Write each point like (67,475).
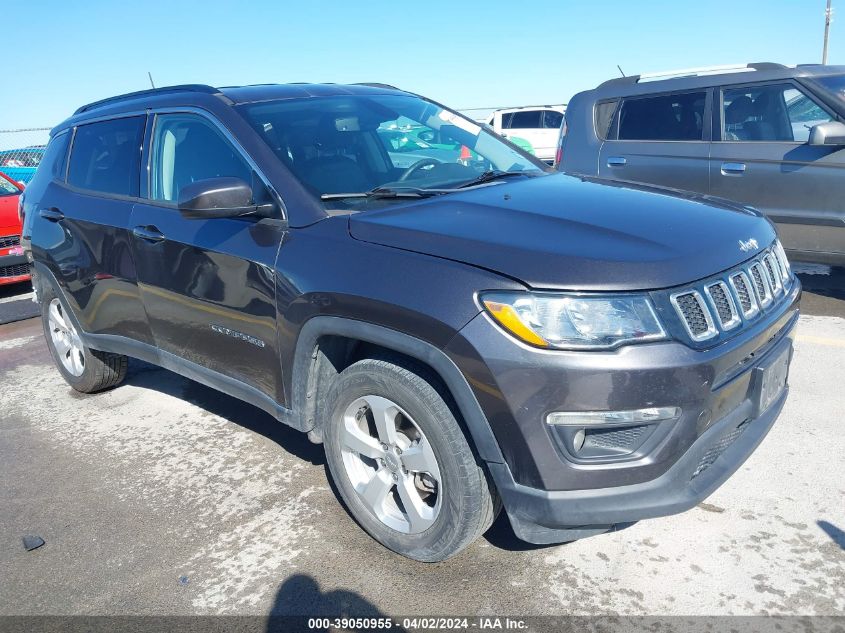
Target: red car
(13,265)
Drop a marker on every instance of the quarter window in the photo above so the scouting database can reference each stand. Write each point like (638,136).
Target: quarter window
(106,156)
(187,148)
(604,117)
(675,117)
(552,119)
(769,113)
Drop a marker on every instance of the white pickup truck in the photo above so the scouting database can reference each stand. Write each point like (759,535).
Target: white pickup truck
(539,125)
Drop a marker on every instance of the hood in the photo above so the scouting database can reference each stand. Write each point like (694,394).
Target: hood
(564,232)
(9,222)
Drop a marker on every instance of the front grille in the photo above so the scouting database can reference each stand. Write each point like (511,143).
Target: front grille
(18,270)
(10,240)
(695,315)
(737,297)
(718,447)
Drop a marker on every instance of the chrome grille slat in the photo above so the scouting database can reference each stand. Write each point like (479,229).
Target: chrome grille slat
(783,263)
(772,270)
(745,293)
(723,304)
(761,284)
(694,314)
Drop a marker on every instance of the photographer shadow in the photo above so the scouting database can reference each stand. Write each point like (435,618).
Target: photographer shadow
(300,600)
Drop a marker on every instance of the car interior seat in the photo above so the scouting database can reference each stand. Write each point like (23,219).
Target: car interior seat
(737,113)
(332,170)
(762,128)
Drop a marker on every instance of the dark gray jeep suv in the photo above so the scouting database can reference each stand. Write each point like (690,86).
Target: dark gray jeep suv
(463,331)
(765,135)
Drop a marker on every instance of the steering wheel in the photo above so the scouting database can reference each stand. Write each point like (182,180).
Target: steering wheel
(420,164)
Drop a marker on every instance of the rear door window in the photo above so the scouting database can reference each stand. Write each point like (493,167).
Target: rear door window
(524,119)
(774,112)
(106,156)
(673,117)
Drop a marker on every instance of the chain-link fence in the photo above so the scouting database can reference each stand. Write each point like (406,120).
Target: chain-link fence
(21,151)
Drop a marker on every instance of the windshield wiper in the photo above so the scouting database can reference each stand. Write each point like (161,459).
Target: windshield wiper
(386,193)
(490,176)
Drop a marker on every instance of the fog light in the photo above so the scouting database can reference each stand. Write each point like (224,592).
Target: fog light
(578,440)
(613,418)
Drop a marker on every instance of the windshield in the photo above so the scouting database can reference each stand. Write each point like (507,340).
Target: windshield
(7,188)
(835,84)
(358,144)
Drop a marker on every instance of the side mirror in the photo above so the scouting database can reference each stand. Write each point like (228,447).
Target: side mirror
(222,197)
(830,133)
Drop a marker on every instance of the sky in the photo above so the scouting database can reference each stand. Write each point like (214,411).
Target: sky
(465,54)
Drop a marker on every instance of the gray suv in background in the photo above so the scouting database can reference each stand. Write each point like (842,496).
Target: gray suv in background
(764,135)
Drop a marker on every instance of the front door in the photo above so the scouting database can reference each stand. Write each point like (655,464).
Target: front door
(208,284)
(763,159)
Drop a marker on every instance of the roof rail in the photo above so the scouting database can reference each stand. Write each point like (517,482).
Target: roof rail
(694,72)
(150,92)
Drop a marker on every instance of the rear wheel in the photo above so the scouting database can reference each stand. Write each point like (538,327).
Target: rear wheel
(84,369)
(402,463)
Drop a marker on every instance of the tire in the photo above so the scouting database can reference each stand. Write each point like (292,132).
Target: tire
(454,502)
(84,369)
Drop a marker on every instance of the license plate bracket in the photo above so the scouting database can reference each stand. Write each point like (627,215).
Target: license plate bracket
(771,379)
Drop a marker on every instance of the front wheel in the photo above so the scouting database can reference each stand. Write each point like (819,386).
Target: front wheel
(84,369)
(401,462)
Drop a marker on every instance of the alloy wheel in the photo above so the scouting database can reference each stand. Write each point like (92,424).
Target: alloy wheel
(391,464)
(65,339)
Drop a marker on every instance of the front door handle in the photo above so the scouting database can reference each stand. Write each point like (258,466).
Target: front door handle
(733,169)
(148,233)
(616,161)
(52,214)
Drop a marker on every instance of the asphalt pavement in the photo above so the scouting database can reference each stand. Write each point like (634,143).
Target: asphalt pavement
(165,497)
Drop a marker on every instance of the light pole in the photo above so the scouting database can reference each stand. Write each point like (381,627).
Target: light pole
(828,13)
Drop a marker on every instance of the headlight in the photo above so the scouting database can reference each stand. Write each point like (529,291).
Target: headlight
(572,321)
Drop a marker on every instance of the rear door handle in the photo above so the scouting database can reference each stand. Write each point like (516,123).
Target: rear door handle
(616,161)
(733,169)
(52,214)
(148,233)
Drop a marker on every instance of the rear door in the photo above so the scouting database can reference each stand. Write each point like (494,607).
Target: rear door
(208,285)
(762,158)
(81,226)
(661,140)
